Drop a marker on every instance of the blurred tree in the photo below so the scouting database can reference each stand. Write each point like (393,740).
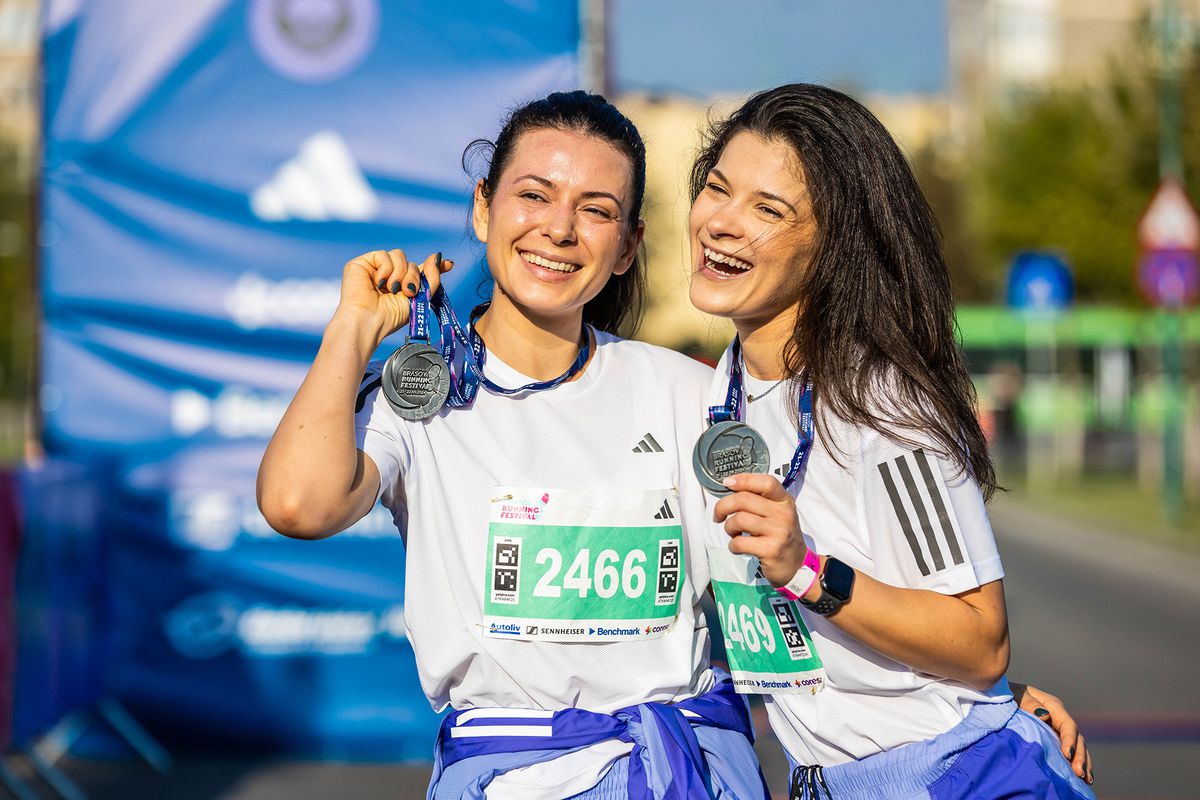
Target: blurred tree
(17,315)
(1071,169)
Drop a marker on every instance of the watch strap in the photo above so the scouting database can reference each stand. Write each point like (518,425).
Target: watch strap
(837,584)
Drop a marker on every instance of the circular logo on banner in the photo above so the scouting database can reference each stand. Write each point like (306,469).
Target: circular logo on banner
(313,41)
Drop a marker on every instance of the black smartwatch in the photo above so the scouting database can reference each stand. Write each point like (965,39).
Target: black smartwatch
(837,584)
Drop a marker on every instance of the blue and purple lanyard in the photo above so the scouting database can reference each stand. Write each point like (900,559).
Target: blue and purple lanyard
(734,405)
(464,388)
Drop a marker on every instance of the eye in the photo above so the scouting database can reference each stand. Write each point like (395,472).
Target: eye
(770,212)
(715,187)
(598,211)
(531,196)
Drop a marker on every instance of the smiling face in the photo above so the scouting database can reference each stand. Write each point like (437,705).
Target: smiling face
(752,233)
(557,223)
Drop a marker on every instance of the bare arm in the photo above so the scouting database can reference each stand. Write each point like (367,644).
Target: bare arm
(313,480)
(962,637)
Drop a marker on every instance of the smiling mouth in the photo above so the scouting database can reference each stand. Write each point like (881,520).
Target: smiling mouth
(725,264)
(557,266)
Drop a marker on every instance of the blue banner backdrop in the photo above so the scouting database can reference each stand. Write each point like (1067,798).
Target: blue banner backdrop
(209,167)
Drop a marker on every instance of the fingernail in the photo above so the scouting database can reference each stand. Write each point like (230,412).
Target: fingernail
(1041,712)
(395,286)
(730,481)
(412,287)
(382,283)
(438,262)
(1071,753)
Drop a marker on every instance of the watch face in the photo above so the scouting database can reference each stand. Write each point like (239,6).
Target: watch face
(838,579)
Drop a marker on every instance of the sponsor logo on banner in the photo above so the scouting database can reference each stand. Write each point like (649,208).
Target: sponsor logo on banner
(322,182)
(216,520)
(235,413)
(291,304)
(313,41)
(210,625)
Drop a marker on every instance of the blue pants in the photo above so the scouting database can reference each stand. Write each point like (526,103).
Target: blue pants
(995,752)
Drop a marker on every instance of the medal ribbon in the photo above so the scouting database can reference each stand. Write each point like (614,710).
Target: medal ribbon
(732,410)
(463,388)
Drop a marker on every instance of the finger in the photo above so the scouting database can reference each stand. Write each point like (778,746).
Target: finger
(1079,757)
(743,501)
(446,265)
(1043,715)
(399,273)
(432,270)
(1068,733)
(376,264)
(762,484)
(741,522)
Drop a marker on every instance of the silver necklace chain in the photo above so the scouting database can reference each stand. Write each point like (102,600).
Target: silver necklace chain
(750,398)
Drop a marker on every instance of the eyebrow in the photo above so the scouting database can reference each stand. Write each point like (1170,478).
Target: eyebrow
(549,184)
(760,192)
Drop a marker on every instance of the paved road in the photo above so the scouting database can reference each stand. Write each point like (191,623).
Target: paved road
(1110,625)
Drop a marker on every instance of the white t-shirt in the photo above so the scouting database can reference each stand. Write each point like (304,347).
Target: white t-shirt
(906,517)
(628,421)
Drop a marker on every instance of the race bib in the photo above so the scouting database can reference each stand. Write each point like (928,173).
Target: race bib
(769,649)
(583,565)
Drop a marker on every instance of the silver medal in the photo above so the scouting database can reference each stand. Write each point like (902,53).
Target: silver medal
(416,381)
(728,448)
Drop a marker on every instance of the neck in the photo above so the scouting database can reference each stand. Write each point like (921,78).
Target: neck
(763,344)
(541,347)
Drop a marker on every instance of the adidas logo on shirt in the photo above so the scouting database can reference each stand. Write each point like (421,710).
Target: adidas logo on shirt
(665,512)
(322,182)
(781,470)
(930,529)
(648,444)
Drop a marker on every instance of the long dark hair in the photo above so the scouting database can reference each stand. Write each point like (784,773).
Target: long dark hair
(876,314)
(620,305)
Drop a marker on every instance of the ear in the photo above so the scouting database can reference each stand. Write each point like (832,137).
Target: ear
(479,213)
(632,242)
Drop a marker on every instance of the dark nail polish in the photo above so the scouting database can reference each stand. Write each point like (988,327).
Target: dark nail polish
(1071,753)
(438,262)
(395,286)
(1040,712)
(412,287)
(382,284)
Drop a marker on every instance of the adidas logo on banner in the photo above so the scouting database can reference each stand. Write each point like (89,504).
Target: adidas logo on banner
(648,445)
(664,512)
(322,182)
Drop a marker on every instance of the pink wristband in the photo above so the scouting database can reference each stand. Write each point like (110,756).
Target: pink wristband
(804,578)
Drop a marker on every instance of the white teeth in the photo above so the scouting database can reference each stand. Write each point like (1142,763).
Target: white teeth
(557,266)
(721,258)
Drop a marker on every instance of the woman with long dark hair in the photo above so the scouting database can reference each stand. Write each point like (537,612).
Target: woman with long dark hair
(555,552)
(810,233)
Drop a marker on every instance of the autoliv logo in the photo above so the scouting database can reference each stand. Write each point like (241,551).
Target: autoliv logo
(291,304)
(507,628)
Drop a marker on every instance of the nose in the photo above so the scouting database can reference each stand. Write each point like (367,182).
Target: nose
(724,223)
(558,223)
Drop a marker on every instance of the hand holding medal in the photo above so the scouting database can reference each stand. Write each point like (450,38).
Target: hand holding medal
(729,447)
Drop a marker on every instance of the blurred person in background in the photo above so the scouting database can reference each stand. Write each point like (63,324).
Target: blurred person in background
(809,231)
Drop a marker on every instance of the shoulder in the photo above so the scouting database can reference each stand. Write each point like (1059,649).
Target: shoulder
(661,364)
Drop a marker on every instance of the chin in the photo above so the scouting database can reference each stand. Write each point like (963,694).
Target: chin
(716,303)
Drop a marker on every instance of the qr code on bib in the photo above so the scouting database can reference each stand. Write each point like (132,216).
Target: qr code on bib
(793,640)
(506,570)
(668,572)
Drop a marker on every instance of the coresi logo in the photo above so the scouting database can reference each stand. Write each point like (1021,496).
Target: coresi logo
(304,304)
(216,520)
(233,414)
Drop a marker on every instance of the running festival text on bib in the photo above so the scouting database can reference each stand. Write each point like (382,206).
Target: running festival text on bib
(570,565)
(769,649)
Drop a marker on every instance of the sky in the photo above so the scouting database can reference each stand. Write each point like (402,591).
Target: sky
(719,47)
